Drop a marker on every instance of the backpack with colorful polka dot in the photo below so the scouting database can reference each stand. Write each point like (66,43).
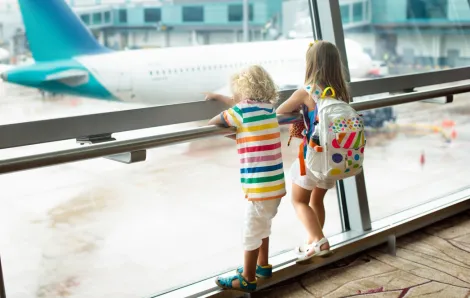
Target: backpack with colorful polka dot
(335,149)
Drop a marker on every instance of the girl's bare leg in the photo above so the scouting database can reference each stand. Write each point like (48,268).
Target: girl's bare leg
(306,214)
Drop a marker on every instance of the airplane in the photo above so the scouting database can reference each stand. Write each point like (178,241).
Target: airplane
(69,60)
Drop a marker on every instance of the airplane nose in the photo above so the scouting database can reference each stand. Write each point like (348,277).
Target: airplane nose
(3,76)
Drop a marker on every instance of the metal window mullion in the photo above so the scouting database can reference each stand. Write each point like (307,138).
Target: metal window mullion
(314,18)
(329,13)
(343,207)
(352,192)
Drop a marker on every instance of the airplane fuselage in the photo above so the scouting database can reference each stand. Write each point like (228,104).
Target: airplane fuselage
(172,75)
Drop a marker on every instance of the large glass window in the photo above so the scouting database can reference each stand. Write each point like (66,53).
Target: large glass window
(416,153)
(98,227)
(235,12)
(140,79)
(405,37)
(152,15)
(193,14)
(78,227)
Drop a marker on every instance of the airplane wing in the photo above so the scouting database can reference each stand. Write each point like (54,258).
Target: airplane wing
(71,77)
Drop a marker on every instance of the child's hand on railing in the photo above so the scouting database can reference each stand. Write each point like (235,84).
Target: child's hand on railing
(210,96)
(219,97)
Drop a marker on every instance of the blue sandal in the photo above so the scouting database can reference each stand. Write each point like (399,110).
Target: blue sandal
(245,286)
(261,271)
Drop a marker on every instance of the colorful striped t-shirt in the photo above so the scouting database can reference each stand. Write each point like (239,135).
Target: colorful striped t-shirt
(259,149)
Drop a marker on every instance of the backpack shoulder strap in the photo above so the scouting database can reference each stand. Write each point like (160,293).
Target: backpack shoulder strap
(302,160)
(333,93)
(301,155)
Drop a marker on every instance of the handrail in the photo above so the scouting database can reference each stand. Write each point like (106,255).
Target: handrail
(117,147)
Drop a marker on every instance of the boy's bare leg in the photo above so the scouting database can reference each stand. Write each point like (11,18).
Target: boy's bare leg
(264,253)
(249,267)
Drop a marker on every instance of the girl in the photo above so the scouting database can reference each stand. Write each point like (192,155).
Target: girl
(324,69)
(262,173)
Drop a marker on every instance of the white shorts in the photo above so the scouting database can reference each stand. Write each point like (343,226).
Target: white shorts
(258,219)
(309,181)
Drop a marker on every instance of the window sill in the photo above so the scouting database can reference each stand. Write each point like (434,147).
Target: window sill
(343,245)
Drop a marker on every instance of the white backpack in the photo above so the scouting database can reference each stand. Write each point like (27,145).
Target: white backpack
(340,152)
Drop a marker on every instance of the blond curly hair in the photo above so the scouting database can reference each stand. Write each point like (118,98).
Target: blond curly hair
(256,84)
